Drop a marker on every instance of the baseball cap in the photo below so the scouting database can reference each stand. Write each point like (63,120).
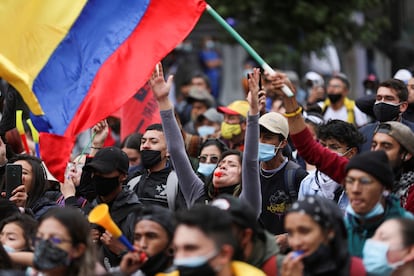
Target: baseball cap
(108,160)
(314,78)
(403,75)
(212,115)
(200,95)
(400,132)
(275,123)
(239,107)
(241,212)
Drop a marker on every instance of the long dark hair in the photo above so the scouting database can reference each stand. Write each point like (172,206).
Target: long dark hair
(78,228)
(39,179)
(27,223)
(327,214)
(214,192)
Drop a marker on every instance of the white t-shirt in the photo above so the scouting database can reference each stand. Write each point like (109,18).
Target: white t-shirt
(342,114)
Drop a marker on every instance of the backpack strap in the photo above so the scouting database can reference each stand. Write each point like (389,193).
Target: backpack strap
(350,105)
(172,189)
(325,105)
(289,178)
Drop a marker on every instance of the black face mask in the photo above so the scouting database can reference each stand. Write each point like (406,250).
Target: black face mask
(156,264)
(385,112)
(202,270)
(150,158)
(104,186)
(320,261)
(47,256)
(334,98)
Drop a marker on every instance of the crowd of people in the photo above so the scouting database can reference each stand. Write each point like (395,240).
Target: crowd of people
(267,185)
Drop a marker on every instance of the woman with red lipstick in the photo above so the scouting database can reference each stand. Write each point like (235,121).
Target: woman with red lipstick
(318,238)
(230,171)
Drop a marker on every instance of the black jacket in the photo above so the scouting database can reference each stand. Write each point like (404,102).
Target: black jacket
(123,212)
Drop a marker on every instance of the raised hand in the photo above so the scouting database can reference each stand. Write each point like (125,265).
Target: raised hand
(253,95)
(278,80)
(160,87)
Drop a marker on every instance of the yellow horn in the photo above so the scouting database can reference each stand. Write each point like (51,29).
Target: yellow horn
(100,215)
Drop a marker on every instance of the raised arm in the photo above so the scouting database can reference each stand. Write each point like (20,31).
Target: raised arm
(311,151)
(251,191)
(191,185)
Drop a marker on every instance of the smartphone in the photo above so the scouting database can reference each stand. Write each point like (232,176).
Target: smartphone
(260,81)
(13,178)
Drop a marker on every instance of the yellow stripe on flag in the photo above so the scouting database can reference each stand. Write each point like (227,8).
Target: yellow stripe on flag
(31,31)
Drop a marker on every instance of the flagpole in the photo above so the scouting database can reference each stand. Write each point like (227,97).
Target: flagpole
(245,45)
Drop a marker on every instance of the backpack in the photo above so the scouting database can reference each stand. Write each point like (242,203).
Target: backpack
(172,187)
(290,179)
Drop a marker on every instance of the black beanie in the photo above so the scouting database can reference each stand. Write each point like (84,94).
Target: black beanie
(376,164)
(160,215)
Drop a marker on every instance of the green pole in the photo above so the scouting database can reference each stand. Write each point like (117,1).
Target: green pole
(245,45)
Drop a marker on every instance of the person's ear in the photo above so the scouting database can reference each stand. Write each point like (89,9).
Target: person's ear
(224,257)
(247,237)
(77,251)
(407,156)
(403,107)
(283,144)
(410,256)
(243,125)
(330,235)
(122,177)
(170,251)
(353,152)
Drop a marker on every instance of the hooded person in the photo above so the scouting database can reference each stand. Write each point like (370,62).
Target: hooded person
(109,169)
(153,234)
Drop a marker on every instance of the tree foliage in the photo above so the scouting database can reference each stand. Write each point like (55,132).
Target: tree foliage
(281,29)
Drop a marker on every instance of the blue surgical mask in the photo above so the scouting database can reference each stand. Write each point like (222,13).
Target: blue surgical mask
(206,130)
(375,258)
(377,210)
(267,151)
(206,169)
(191,261)
(8,248)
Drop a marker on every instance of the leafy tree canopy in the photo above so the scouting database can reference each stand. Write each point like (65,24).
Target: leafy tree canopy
(290,28)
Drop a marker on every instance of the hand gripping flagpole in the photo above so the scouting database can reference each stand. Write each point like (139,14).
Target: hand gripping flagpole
(246,46)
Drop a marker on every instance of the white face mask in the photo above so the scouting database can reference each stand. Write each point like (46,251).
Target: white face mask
(193,261)
(375,258)
(344,153)
(206,130)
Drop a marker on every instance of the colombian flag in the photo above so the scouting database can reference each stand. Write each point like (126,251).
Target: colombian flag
(75,62)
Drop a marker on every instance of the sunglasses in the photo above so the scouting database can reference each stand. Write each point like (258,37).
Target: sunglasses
(204,158)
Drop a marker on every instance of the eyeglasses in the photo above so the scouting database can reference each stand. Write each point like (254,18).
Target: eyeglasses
(365,180)
(213,158)
(53,240)
(334,86)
